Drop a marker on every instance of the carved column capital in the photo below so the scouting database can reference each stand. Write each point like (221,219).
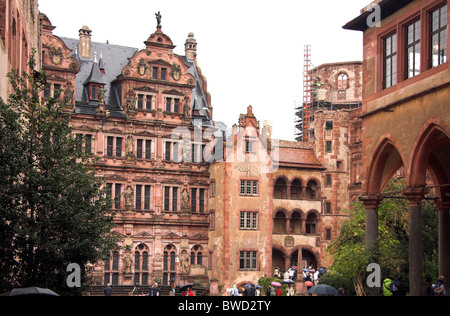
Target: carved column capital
(416,195)
(371,201)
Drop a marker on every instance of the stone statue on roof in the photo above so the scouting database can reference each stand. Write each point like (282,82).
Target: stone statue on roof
(158,18)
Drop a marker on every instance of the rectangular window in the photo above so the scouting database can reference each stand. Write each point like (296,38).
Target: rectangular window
(117,196)
(167,153)
(249,221)
(138,197)
(194,153)
(155,73)
(242,187)
(167,199)
(439,36)
(328,232)
(140,101)
(148,149)
(249,187)
(168,104)
(110,146)
(147,198)
(212,220)
(390,60)
(249,146)
(194,200)
(327,207)
(119,146)
(57,91)
(248,260)
(79,143)
(413,49)
(163,73)
(213,188)
(202,200)
(176,156)
(174,199)
(109,187)
(148,102)
(328,146)
(328,180)
(88,143)
(255,187)
(176,106)
(139,149)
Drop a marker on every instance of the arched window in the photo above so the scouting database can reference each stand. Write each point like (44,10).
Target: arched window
(279,225)
(343,81)
(296,223)
(111,271)
(197,253)
(296,190)
(280,190)
(311,224)
(169,264)
(312,190)
(141,264)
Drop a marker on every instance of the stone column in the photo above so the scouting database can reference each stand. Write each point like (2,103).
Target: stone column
(371,203)
(444,238)
(415,197)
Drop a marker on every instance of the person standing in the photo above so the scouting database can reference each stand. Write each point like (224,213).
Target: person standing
(154,290)
(234,291)
(188,292)
(108,290)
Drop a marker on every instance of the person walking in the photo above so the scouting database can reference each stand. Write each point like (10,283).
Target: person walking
(386,287)
(234,291)
(108,290)
(397,287)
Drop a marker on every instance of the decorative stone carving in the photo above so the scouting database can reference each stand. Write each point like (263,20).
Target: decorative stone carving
(56,55)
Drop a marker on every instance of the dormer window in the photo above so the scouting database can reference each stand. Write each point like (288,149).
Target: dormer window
(94,91)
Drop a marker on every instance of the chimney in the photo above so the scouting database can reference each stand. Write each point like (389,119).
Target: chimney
(85,42)
(190,47)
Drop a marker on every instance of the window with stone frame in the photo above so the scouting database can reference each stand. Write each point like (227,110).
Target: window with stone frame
(390,60)
(248,260)
(412,48)
(438,34)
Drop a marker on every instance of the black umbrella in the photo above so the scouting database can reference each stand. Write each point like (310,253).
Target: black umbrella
(323,289)
(30,291)
(185,287)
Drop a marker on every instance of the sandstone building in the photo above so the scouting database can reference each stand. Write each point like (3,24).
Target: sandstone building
(405,116)
(197,202)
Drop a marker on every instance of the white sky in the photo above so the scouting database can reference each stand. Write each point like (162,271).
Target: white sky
(251,51)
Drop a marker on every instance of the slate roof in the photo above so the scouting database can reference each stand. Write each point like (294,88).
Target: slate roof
(113,58)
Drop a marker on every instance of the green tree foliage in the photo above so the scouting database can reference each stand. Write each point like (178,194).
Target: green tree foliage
(349,250)
(52,206)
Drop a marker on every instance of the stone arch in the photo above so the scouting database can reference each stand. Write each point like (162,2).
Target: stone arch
(279,221)
(280,190)
(387,159)
(297,217)
(313,188)
(431,151)
(296,192)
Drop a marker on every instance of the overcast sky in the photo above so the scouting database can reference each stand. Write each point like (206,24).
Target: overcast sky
(251,51)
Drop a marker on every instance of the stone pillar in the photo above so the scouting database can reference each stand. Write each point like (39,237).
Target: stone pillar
(444,238)
(371,203)
(415,197)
